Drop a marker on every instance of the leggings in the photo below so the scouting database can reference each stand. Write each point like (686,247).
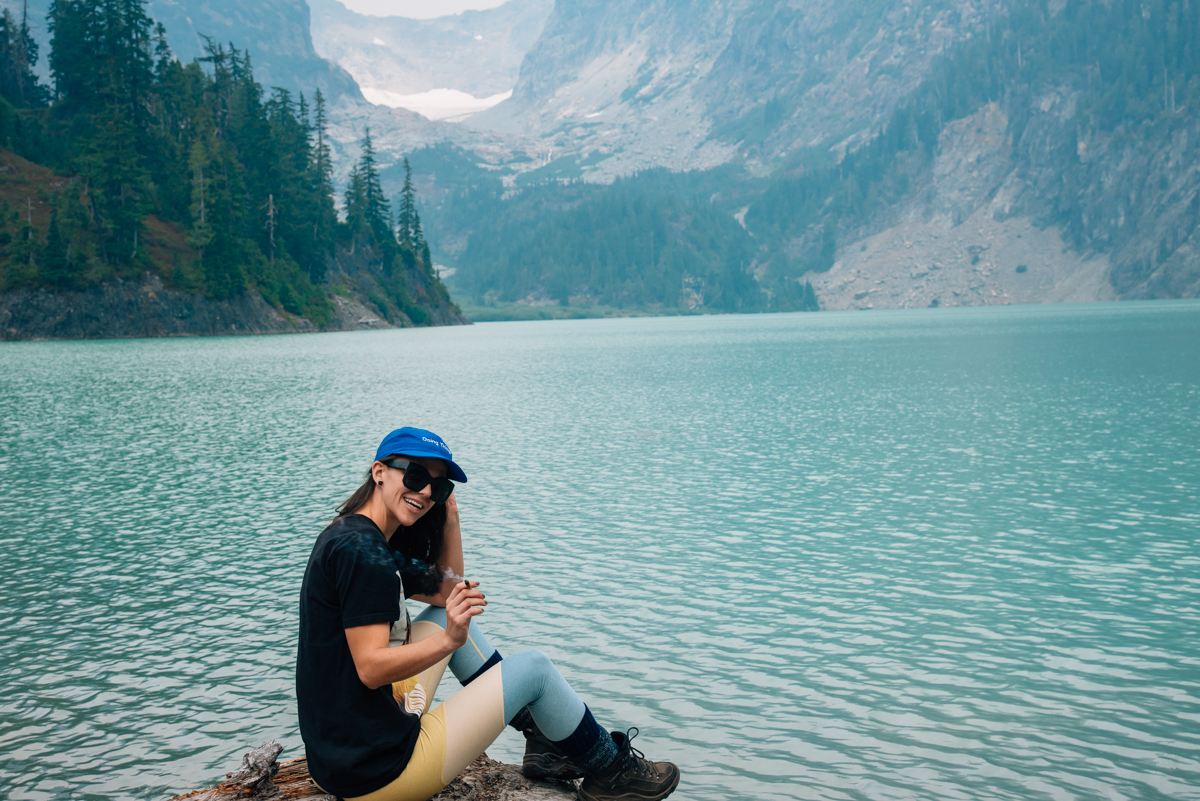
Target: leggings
(454,733)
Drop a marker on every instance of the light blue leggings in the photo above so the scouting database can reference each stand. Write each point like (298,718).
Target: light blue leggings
(530,680)
(521,691)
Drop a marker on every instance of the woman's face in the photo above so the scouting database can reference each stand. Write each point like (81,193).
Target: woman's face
(402,503)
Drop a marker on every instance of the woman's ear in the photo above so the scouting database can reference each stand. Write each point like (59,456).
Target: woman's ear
(377,472)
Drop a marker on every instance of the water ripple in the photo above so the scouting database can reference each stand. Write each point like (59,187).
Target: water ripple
(946,555)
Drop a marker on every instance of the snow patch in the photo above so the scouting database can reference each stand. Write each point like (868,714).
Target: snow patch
(436,104)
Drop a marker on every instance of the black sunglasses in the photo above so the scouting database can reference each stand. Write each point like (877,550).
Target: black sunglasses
(417,478)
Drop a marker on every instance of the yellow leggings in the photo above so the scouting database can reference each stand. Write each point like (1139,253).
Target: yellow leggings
(452,734)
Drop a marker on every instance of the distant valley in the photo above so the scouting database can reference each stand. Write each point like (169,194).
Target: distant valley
(446,67)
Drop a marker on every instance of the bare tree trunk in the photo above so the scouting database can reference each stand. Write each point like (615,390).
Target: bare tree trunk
(261,778)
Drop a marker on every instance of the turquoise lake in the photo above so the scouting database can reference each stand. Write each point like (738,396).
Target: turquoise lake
(943,554)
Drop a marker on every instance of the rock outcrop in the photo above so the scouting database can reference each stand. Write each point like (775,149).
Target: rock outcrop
(1019,207)
(148,309)
(262,778)
(964,237)
(145,309)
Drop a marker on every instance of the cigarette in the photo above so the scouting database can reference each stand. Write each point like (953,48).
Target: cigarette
(467,584)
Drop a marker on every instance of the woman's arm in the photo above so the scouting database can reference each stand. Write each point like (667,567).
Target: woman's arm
(377,664)
(452,555)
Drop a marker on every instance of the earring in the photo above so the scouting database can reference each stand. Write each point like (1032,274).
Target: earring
(380,483)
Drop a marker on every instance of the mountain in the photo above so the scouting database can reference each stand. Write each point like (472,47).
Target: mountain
(275,32)
(747,154)
(656,83)
(612,80)
(442,67)
(886,155)
(1048,157)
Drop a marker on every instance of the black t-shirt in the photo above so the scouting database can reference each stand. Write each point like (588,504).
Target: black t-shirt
(357,739)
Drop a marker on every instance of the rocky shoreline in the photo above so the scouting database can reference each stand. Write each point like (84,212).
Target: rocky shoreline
(123,310)
(262,778)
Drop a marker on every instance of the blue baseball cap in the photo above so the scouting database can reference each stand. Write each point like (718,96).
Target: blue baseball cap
(410,441)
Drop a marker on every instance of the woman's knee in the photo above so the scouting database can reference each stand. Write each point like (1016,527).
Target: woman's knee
(540,660)
(526,675)
(533,662)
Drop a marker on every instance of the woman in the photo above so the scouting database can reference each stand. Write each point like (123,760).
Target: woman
(366,674)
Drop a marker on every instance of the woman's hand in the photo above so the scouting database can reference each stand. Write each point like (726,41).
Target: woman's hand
(462,605)
(452,519)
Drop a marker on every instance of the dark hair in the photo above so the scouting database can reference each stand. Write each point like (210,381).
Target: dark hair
(418,546)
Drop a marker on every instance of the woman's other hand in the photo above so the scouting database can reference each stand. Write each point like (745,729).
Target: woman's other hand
(452,519)
(462,605)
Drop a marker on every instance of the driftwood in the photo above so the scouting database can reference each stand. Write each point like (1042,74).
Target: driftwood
(262,778)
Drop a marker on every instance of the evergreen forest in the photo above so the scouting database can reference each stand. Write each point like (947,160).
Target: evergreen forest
(653,240)
(135,162)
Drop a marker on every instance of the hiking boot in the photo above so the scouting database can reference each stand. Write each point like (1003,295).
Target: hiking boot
(631,777)
(543,760)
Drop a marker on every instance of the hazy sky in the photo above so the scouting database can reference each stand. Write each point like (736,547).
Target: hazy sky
(417,9)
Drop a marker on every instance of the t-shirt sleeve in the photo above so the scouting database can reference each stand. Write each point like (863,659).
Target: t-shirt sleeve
(367,585)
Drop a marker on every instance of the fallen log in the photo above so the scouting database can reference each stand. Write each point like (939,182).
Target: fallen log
(262,778)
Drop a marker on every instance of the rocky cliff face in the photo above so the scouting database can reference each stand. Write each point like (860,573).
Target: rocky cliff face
(1019,207)
(960,238)
(822,73)
(613,81)
(1133,192)
(145,309)
(635,84)
(276,32)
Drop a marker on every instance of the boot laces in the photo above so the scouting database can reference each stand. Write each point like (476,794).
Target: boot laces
(635,761)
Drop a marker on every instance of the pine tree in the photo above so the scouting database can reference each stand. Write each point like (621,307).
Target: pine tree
(18,56)
(56,269)
(74,49)
(201,233)
(407,224)
(356,204)
(320,180)
(416,237)
(322,167)
(101,58)
(164,59)
(810,298)
(367,208)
